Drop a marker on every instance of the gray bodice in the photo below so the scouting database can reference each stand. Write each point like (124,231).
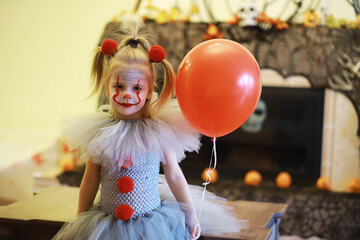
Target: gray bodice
(132,192)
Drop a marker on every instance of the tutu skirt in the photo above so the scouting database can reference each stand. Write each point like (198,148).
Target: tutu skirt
(166,222)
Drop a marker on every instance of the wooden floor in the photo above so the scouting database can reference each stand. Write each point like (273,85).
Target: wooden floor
(42,215)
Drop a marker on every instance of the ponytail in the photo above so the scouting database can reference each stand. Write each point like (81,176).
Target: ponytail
(97,71)
(168,89)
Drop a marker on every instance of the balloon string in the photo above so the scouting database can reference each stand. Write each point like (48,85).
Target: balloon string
(208,172)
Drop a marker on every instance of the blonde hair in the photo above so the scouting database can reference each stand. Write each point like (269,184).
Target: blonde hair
(136,57)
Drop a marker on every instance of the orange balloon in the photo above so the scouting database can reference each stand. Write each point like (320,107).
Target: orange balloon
(283,180)
(253,178)
(218,86)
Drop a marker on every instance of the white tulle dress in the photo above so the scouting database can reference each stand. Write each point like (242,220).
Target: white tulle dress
(135,201)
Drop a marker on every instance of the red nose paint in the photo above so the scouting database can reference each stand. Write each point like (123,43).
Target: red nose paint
(127,96)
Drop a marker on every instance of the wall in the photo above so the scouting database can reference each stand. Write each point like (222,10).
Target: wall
(46,49)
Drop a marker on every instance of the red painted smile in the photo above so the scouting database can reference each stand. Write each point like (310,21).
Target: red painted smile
(126,105)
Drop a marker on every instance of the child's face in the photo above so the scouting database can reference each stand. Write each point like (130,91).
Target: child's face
(128,91)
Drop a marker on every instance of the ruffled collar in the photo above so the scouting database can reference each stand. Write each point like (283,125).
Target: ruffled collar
(103,137)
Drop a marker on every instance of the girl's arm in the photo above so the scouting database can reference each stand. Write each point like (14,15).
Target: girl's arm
(180,189)
(89,186)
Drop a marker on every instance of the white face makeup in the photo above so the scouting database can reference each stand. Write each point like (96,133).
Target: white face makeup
(128,91)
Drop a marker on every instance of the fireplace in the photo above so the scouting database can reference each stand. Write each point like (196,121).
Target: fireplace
(284,134)
(298,57)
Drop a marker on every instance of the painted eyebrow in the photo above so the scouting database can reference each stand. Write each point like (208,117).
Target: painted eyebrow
(137,84)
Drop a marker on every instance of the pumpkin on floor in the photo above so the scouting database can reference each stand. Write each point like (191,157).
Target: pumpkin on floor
(354,185)
(283,180)
(323,183)
(253,178)
(212,173)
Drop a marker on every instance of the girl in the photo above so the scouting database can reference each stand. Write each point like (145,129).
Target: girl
(124,146)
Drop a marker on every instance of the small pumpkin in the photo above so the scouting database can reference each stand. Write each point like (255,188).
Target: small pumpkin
(283,180)
(354,185)
(311,19)
(212,173)
(213,32)
(323,183)
(253,178)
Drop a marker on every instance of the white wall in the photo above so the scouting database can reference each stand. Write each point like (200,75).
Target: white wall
(46,51)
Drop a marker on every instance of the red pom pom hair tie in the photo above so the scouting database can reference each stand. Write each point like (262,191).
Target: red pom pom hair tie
(109,47)
(157,53)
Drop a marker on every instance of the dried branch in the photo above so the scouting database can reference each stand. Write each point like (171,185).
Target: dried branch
(356,5)
(136,8)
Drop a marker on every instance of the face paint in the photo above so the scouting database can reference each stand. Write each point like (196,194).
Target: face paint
(128,89)
(138,93)
(127,105)
(117,90)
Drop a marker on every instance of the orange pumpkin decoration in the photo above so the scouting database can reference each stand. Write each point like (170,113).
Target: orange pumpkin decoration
(253,178)
(283,180)
(354,185)
(311,19)
(213,32)
(67,163)
(280,25)
(233,20)
(213,175)
(323,183)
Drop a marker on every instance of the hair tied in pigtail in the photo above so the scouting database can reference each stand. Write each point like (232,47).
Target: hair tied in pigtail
(157,53)
(109,47)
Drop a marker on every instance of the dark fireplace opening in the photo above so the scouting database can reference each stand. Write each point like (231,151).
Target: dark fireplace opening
(283,134)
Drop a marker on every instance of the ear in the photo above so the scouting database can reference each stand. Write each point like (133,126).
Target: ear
(150,93)
(149,96)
